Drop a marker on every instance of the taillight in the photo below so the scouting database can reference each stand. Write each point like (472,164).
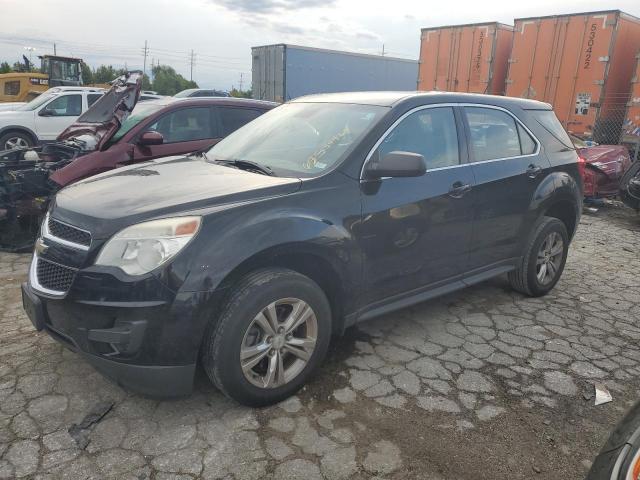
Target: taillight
(588,178)
(582,165)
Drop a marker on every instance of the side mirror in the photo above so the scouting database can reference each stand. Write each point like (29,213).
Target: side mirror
(396,164)
(46,113)
(151,138)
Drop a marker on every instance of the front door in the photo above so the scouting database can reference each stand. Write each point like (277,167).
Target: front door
(57,115)
(415,232)
(508,167)
(185,130)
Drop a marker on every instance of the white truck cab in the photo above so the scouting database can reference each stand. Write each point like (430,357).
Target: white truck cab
(45,117)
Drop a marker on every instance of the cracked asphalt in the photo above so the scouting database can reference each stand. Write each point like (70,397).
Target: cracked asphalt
(480,384)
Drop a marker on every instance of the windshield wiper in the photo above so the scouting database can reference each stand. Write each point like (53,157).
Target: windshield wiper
(248,165)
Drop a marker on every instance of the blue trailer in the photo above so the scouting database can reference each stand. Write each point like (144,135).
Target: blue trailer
(282,72)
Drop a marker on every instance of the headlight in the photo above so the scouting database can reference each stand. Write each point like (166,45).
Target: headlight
(143,247)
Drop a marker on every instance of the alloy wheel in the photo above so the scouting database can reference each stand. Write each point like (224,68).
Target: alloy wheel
(279,343)
(549,258)
(15,142)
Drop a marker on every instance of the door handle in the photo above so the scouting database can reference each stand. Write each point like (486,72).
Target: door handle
(459,189)
(533,170)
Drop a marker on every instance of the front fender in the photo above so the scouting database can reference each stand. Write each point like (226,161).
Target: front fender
(276,231)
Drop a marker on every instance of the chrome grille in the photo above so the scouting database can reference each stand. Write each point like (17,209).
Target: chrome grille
(53,276)
(68,233)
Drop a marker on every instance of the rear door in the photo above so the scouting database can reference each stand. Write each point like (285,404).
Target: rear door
(184,130)
(508,166)
(415,232)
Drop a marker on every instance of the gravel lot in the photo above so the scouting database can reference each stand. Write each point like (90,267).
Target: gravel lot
(480,384)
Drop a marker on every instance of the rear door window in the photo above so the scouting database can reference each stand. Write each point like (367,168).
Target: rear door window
(232,118)
(430,132)
(527,143)
(494,134)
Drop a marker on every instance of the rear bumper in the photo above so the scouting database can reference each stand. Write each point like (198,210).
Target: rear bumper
(92,332)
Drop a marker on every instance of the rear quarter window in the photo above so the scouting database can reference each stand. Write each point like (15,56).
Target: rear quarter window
(549,121)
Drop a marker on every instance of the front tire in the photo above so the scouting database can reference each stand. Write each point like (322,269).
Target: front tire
(544,258)
(272,334)
(13,140)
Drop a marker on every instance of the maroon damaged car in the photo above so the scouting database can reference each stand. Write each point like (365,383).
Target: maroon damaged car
(159,128)
(114,132)
(602,167)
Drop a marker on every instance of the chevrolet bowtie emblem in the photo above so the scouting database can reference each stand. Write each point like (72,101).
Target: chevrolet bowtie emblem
(41,248)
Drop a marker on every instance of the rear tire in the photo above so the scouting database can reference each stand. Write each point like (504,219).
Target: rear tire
(258,324)
(626,197)
(543,260)
(13,140)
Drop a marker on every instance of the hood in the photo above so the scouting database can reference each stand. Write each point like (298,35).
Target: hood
(6,106)
(161,187)
(611,160)
(98,124)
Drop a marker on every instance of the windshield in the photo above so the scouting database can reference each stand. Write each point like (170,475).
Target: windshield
(38,101)
(300,139)
(140,112)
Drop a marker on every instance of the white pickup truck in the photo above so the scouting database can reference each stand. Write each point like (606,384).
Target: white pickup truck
(44,117)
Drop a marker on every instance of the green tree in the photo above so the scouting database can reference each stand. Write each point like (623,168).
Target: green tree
(241,93)
(87,74)
(5,67)
(166,81)
(106,73)
(146,83)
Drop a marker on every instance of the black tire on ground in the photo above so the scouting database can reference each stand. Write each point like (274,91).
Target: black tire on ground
(632,171)
(224,337)
(622,442)
(25,138)
(524,278)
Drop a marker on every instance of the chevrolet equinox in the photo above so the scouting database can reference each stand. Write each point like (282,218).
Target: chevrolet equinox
(326,211)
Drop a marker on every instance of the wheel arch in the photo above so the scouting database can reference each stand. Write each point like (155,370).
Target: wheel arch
(565,211)
(559,195)
(19,129)
(316,263)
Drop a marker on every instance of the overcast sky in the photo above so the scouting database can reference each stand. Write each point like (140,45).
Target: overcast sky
(222,32)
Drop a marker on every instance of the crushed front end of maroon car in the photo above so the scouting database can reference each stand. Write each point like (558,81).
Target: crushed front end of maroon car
(27,175)
(604,166)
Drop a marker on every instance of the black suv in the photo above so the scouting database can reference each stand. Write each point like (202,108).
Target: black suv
(325,211)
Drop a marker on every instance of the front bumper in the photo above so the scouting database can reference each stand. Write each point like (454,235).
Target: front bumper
(125,341)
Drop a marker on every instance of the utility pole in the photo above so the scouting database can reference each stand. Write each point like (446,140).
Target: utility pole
(241,81)
(383,49)
(192,61)
(54,49)
(145,52)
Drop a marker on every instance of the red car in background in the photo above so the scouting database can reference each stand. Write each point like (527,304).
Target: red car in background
(115,131)
(602,167)
(160,128)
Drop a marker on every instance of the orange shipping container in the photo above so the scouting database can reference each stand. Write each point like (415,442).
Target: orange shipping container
(582,64)
(631,127)
(465,58)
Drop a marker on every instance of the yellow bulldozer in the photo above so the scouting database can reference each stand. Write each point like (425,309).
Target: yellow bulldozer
(55,71)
